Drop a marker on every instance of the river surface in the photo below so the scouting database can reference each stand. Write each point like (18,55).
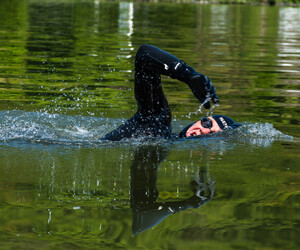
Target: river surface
(66,79)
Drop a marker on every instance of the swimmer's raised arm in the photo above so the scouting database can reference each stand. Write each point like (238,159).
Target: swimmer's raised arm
(153,117)
(154,61)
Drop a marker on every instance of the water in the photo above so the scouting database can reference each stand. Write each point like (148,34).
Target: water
(66,78)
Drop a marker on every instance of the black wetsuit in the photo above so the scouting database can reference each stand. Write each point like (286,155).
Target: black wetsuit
(153,117)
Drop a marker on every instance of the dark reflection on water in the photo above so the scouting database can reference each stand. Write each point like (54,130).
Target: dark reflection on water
(146,212)
(66,73)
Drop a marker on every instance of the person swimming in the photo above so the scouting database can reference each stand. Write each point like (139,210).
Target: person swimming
(153,117)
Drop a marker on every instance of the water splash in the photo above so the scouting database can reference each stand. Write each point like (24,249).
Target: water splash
(259,134)
(42,127)
(52,128)
(199,110)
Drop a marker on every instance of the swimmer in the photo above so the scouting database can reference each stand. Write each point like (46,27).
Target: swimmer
(153,117)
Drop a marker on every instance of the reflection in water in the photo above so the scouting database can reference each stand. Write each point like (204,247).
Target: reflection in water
(126,22)
(289,46)
(146,211)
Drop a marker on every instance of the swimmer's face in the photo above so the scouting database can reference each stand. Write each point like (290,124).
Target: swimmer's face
(206,125)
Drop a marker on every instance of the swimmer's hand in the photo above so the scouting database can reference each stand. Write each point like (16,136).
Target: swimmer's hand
(203,90)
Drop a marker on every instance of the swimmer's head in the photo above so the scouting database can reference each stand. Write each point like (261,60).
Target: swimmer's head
(209,125)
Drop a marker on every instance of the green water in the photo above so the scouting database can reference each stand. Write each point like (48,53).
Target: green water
(66,78)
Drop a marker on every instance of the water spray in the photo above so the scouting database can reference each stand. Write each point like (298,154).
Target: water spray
(199,110)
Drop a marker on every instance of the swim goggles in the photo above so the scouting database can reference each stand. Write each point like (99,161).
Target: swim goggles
(206,123)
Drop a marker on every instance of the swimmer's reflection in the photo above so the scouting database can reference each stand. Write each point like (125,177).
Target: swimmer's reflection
(146,211)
